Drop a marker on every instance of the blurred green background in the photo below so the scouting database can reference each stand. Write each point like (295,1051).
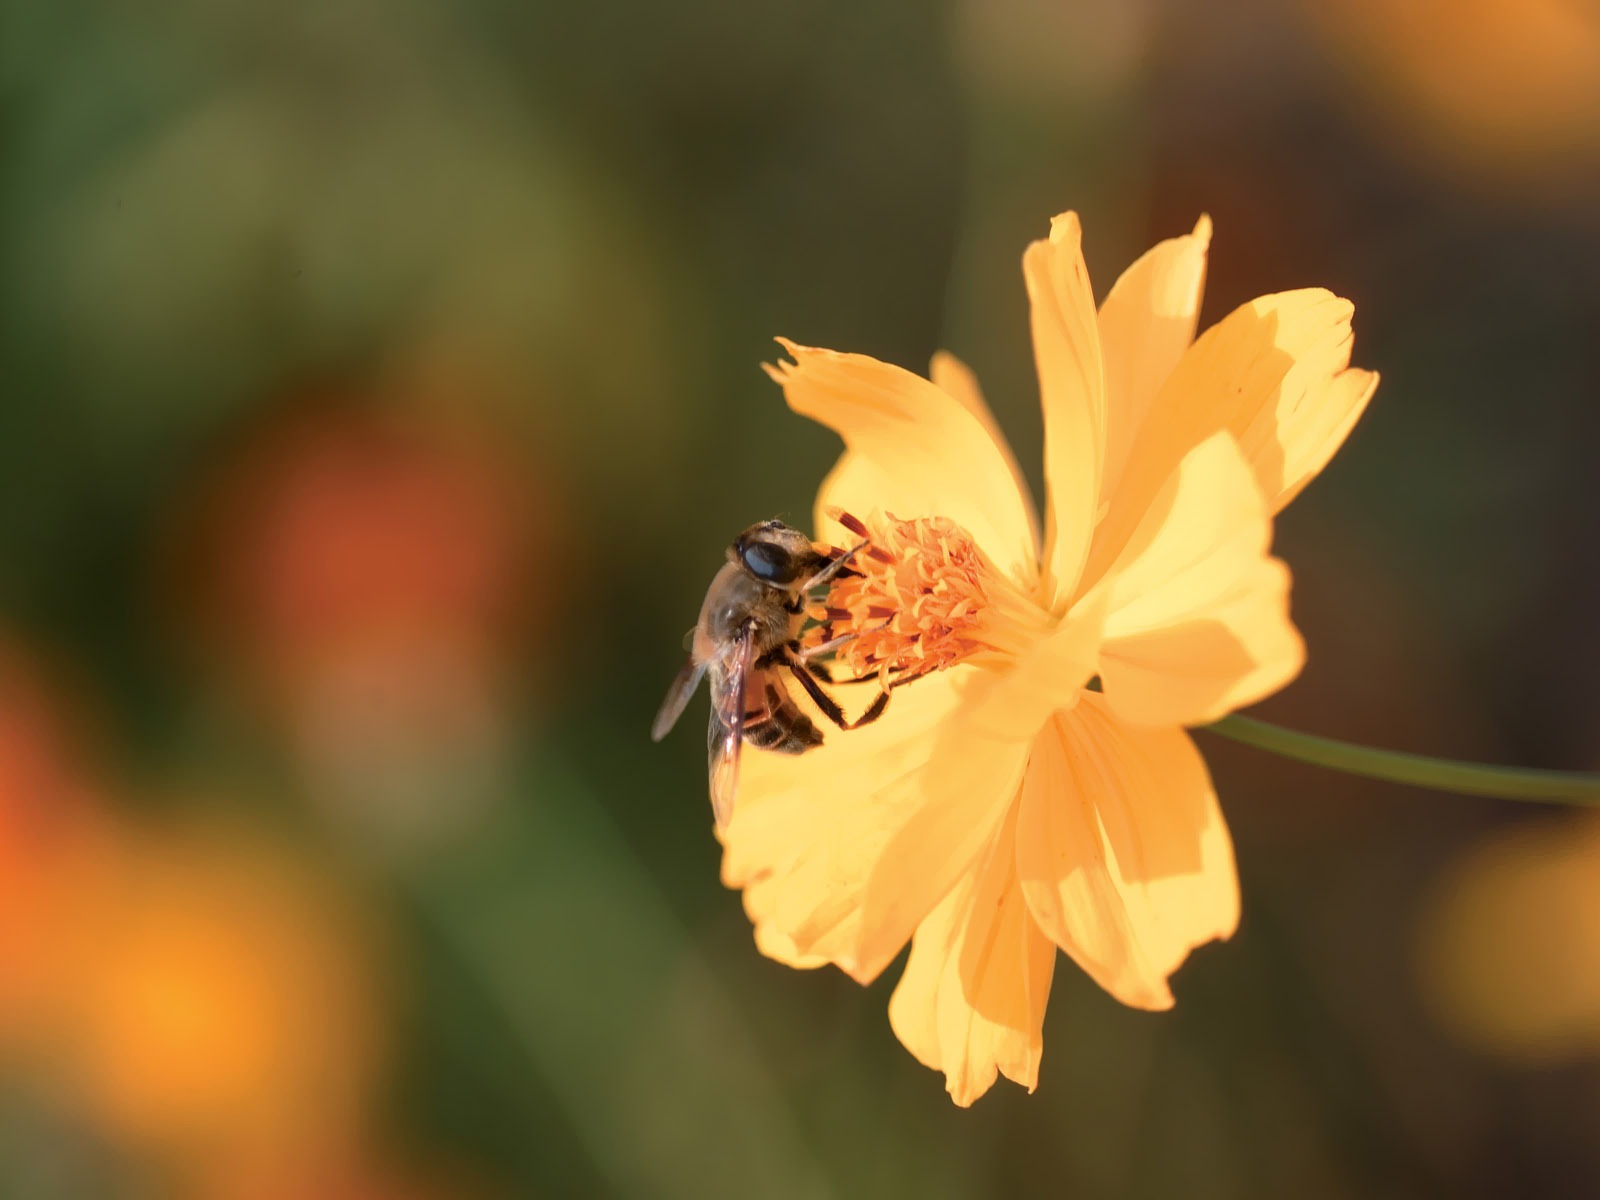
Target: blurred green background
(378,389)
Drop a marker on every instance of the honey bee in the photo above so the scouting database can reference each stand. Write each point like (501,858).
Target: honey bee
(747,642)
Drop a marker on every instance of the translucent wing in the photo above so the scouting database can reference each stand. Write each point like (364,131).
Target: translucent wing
(677,697)
(725,736)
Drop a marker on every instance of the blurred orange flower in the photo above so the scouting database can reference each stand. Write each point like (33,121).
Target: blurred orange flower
(374,572)
(999,810)
(227,1019)
(1509,89)
(55,851)
(1510,945)
(203,1001)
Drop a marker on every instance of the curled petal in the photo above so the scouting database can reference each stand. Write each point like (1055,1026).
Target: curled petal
(972,998)
(1122,851)
(1066,348)
(1197,620)
(912,449)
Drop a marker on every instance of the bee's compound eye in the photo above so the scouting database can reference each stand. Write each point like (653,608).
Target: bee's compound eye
(767,562)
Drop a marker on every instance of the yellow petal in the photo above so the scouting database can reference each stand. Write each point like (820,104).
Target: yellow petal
(1146,323)
(1068,876)
(1066,348)
(1013,701)
(776,944)
(956,379)
(1122,852)
(858,485)
(1197,620)
(914,1004)
(1310,429)
(844,850)
(918,451)
(972,998)
(1274,373)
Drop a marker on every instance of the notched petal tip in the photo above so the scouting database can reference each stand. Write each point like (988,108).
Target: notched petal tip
(1066,227)
(1303,314)
(914,448)
(783,370)
(780,948)
(1275,372)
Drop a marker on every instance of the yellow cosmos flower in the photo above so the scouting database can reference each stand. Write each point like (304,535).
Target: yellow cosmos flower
(1001,808)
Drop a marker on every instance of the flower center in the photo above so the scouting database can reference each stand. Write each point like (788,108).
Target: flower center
(919,597)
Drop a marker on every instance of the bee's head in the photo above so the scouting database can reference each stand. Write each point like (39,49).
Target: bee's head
(775,553)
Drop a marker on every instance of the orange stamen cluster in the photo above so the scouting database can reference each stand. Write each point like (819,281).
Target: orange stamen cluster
(913,602)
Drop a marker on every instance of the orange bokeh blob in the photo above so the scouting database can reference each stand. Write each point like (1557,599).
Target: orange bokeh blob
(355,532)
(1510,945)
(54,857)
(372,575)
(229,1011)
(1505,88)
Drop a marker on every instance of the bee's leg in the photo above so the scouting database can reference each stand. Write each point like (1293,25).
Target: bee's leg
(822,674)
(874,711)
(825,676)
(818,671)
(833,567)
(829,645)
(834,643)
(830,707)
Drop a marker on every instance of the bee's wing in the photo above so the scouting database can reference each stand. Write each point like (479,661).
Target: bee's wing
(677,697)
(725,736)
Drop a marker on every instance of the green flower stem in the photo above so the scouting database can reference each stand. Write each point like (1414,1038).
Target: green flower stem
(1440,774)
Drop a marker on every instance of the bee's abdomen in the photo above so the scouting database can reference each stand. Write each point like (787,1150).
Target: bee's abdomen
(782,727)
(777,734)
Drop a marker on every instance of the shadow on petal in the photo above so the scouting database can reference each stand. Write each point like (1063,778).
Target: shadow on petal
(843,851)
(1198,621)
(972,998)
(1275,373)
(1122,851)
